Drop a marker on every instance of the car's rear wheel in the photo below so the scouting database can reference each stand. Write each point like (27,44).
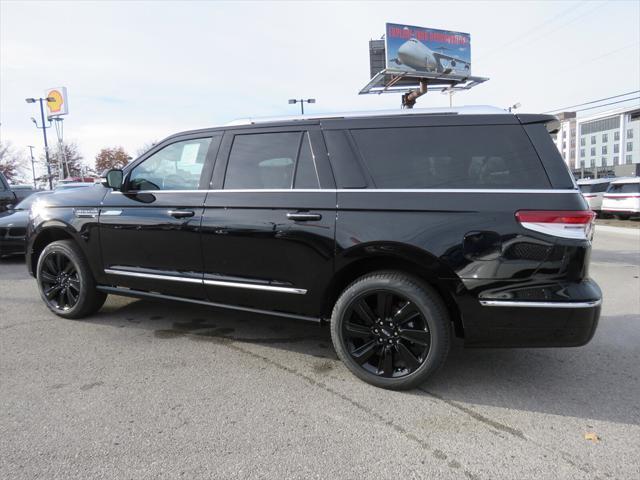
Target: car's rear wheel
(391,330)
(65,281)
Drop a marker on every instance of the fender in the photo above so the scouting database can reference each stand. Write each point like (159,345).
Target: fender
(50,224)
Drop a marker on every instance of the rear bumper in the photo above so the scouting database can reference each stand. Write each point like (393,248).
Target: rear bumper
(500,322)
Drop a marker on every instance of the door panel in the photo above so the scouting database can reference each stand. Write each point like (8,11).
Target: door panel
(255,253)
(139,235)
(248,241)
(150,234)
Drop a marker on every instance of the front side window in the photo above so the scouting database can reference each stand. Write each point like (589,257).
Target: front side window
(451,157)
(270,161)
(177,166)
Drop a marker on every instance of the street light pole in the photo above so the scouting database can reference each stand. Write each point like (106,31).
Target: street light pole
(44,133)
(301,101)
(33,166)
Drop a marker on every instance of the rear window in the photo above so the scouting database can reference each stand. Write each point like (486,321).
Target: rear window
(594,187)
(624,188)
(492,156)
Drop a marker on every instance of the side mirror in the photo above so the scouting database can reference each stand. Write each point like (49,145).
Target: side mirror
(113,179)
(10,206)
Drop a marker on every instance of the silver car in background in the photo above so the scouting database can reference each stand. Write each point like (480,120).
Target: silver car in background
(593,192)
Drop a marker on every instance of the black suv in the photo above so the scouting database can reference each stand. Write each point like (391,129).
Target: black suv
(400,228)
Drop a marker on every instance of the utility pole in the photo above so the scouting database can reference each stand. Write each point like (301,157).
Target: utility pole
(33,166)
(44,132)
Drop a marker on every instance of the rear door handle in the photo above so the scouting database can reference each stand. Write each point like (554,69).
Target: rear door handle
(181,213)
(304,217)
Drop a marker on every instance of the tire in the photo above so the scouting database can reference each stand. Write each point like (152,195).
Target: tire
(65,281)
(622,217)
(415,331)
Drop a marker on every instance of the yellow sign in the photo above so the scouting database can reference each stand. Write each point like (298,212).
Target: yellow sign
(57,101)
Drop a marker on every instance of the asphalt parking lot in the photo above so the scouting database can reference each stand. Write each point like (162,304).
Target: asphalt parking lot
(158,390)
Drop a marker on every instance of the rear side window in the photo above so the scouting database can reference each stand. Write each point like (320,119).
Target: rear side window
(491,157)
(624,188)
(270,161)
(594,187)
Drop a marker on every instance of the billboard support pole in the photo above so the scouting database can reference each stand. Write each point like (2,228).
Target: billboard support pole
(409,99)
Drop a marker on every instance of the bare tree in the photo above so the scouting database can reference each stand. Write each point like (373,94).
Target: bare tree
(70,160)
(109,158)
(146,147)
(11,163)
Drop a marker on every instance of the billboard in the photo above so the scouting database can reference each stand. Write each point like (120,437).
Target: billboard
(59,106)
(417,49)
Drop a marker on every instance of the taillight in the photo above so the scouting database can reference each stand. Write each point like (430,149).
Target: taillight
(560,223)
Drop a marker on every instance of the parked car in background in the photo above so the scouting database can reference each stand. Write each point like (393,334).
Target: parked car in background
(622,198)
(398,228)
(593,191)
(7,197)
(23,191)
(13,225)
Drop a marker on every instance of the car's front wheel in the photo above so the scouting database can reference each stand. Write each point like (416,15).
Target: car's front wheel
(391,330)
(65,281)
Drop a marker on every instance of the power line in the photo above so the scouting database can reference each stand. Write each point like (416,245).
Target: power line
(594,101)
(606,104)
(533,29)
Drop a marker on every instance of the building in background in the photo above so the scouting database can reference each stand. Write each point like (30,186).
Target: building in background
(566,137)
(603,144)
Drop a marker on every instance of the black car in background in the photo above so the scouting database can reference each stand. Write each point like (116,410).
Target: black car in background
(7,197)
(13,225)
(400,229)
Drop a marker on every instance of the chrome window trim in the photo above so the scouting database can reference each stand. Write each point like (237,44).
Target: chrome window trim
(515,303)
(219,283)
(367,190)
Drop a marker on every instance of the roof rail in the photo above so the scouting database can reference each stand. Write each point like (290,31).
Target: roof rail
(468,110)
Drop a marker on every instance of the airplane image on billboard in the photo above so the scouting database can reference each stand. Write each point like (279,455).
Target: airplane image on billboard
(418,49)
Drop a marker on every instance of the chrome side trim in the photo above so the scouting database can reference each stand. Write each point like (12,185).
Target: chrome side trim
(127,292)
(515,303)
(154,276)
(368,190)
(111,213)
(253,286)
(218,283)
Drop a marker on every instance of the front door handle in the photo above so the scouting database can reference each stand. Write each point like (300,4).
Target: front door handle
(181,213)
(304,217)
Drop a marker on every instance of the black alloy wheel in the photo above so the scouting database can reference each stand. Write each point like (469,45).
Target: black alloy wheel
(59,281)
(391,329)
(386,334)
(66,282)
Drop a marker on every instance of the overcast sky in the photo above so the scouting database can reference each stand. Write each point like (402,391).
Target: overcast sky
(138,71)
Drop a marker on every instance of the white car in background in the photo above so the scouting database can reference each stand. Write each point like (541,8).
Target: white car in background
(622,198)
(593,191)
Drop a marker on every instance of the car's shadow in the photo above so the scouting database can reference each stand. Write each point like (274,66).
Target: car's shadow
(599,381)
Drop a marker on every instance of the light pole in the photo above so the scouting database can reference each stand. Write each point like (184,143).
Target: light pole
(44,132)
(33,166)
(301,101)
